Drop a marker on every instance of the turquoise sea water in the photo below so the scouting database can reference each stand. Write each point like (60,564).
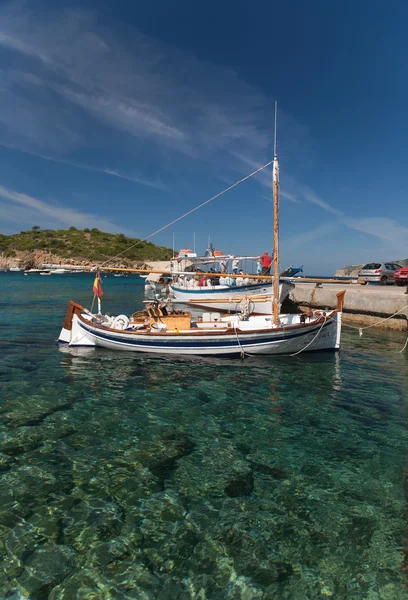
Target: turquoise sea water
(129,476)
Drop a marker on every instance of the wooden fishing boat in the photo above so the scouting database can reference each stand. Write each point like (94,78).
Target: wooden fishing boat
(210,335)
(157,331)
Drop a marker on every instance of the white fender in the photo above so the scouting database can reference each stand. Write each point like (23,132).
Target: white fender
(120,322)
(159,326)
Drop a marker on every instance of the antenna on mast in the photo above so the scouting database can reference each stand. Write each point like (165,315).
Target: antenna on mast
(274,133)
(275,189)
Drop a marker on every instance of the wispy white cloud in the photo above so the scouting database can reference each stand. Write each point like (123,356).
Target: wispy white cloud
(24,217)
(156,184)
(55,215)
(143,88)
(309,236)
(15,43)
(291,197)
(313,198)
(390,232)
(264,178)
(392,236)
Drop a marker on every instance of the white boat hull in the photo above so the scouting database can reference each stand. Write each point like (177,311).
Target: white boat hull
(323,333)
(229,299)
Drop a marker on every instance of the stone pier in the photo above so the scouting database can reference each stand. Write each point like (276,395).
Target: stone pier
(364,304)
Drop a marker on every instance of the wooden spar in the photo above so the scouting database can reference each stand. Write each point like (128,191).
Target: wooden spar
(233,300)
(232,275)
(275,185)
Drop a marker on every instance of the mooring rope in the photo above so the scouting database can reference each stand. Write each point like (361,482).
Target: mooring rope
(307,346)
(361,329)
(405,345)
(189,212)
(243,353)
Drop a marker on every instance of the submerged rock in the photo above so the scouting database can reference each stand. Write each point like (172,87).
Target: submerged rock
(24,439)
(128,484)
(131,575)
(127,579)
(243,589)
(46,522)
(108,552)
(20,440)
(85,584)
(6,462)
(218,469)
(33,410)
(87,524)
(22,539)
(204,397)
(164,507)
(251,556)
(45,568)
(10,516)
(10,570)
(28,483)
(161,455)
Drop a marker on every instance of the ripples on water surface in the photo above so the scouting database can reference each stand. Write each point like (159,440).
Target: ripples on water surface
(127,476)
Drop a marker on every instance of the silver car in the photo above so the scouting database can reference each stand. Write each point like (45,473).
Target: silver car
(382,273)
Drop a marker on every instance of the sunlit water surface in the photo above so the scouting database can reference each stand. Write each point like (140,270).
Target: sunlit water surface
(130,476)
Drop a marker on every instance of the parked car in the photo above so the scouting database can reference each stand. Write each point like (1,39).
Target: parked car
(401,276)
(382,273)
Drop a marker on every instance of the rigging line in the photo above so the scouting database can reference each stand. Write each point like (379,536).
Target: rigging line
(190,211)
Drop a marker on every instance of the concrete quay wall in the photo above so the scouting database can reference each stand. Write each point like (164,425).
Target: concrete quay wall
(363,305)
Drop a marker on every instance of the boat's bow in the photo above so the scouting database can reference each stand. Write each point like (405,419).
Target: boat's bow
(71,332)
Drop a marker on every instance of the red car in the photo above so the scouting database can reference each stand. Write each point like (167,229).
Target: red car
(401,276)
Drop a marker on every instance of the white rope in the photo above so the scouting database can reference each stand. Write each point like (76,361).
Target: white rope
(243,353)
(360,329)
(302,349)
(190,211)
(405,345)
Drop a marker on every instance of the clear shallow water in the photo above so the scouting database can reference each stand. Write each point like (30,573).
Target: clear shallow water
(128,476)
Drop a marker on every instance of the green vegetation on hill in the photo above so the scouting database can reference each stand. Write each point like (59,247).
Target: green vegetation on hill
(86,244)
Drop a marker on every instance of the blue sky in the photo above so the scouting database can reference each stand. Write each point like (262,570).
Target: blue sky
(124,115)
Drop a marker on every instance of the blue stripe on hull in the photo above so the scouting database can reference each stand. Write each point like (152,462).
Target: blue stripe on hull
(181,343)
(205,290)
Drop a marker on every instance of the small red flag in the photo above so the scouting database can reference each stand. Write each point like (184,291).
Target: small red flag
(97,286)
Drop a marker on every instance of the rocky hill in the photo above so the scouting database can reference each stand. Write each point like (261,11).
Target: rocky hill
(353,270)
(36,246)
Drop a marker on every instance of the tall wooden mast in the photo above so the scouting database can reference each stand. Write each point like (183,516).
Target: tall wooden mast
(275,187)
